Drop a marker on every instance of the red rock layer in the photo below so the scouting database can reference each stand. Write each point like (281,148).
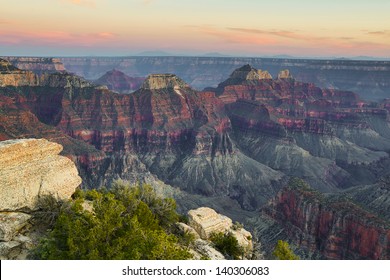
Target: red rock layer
(337,230)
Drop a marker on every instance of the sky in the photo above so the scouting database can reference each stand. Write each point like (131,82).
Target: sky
(301,28)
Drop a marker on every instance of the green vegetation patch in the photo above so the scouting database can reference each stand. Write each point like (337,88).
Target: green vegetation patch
(121,223)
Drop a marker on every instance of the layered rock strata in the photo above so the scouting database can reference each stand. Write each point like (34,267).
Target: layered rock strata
(31,168)
(37,65)
(330,228)
(206,221)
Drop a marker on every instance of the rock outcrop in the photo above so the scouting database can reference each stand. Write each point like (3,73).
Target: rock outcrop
(37,65)
(11,223)
(330,228)
(284,74)
(30,168)
(206,221)
(163,81)
(264,75)
(12,76)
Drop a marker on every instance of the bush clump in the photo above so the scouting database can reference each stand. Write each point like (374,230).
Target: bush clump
(282,251)
(227,244)
(125,223)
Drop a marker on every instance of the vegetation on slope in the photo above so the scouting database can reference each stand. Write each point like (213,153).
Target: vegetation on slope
(121,223)
(283,252)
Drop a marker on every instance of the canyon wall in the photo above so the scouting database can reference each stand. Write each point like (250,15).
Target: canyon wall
(334,228)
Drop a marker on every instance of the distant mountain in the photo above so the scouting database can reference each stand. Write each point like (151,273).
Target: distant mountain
(215,54)
(154,53)
(118,81)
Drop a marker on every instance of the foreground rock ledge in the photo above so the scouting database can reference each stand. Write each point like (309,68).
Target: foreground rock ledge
(30,168)
(205,221)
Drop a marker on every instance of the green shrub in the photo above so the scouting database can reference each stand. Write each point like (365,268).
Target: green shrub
(282,251)
(124,224)
(227,244)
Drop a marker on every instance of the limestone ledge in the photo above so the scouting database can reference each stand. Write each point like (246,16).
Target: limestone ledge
(205,221)
(30,168)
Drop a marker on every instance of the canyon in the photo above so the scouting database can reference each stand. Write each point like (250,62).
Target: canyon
(233,146)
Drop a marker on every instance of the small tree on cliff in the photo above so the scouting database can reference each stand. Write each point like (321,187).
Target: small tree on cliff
(283,252)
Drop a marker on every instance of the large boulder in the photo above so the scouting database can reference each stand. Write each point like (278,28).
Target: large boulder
(31,168)
(206,221)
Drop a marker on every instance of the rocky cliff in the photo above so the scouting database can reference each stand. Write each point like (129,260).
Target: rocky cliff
(206,222)
(12,76)
(37,65)
(29,170)
(331,228)
(325,136)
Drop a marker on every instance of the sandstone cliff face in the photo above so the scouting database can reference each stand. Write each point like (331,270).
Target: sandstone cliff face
(335,229)
(37,65)
(31,168)
(206,221)
(12,76)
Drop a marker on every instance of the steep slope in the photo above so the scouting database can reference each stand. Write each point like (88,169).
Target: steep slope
(330,228)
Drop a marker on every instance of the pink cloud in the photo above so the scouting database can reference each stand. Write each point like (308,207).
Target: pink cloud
(56,38)
(283,41)
(384,33)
